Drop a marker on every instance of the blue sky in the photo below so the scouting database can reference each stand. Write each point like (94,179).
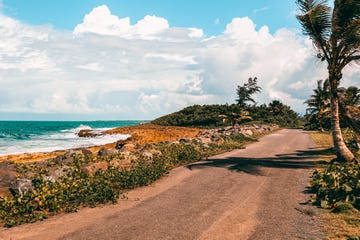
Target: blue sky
(211,16)
(141,59)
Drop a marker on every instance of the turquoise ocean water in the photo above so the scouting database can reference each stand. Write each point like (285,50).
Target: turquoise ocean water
(47,136)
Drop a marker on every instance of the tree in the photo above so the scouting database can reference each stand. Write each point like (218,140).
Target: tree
(335,33)
(235,118)
(319,103)
(245,92)
(318,111)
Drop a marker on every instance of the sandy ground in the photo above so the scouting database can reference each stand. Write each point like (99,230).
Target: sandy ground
(253,193)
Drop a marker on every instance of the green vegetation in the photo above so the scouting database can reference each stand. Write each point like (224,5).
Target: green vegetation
(242,112)
(337,183)
(336,37)
(318,115)
(336,187)
(77,188)
(212,115)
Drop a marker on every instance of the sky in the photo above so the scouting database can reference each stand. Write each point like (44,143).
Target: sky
(141,59)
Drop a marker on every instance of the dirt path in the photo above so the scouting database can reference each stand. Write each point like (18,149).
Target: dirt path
(255,193)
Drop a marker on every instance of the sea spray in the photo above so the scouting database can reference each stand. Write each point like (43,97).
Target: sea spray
(35,136)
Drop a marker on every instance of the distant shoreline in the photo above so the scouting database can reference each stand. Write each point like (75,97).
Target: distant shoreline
(44,137)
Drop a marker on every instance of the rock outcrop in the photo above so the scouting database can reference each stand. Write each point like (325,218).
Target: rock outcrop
(217,134)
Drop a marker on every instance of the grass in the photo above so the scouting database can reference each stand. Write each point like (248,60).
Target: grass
(345,224)
(322,139)
(342,225)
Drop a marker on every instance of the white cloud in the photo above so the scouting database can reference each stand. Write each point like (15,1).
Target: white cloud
(109,67)
(150,25)
(196,33)
(101,21)
(92,67)
(255,11)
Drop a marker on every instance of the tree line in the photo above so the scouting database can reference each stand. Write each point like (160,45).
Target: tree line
(335,33)
(245,110)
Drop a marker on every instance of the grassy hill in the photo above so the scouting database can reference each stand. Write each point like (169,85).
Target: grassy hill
(210,115)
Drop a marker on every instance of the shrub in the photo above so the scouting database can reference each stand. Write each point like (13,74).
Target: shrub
(76,189)
(209,115)
(337,183)
(352,141)
(178,153)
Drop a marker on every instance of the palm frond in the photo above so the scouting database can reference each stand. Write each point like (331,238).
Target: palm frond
(345,11)
(315,19)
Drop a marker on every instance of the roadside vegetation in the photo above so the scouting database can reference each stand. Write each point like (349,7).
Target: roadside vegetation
(67,183)
(336,188)
(335,33)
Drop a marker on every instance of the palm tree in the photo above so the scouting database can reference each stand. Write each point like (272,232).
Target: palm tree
(235,118)
(244,92)
(335,33)
(278,108)
(319,103)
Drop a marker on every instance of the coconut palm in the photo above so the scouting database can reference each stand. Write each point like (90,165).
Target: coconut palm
(335,33)
(319,103)
(235,118)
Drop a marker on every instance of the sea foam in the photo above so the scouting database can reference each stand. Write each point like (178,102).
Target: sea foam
(60,140)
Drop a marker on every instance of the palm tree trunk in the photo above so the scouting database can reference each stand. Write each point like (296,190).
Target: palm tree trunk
(342,151)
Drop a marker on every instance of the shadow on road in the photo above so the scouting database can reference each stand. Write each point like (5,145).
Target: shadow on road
(301,159)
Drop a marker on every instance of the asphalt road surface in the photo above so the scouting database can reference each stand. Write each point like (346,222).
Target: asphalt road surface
(253,193)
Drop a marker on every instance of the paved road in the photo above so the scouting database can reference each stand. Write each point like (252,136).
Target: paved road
(254,193)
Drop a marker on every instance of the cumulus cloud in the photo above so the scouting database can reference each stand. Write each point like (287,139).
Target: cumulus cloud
(109,67)
(101,21)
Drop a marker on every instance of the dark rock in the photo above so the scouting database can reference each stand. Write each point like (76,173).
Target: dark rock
(120,144)
(86,152)
(107,152)
(64,159)
(21,186)
(104,152)
(87,133)
(185,140)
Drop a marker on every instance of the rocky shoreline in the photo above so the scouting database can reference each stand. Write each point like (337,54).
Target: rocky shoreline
(142,138)
(66,181)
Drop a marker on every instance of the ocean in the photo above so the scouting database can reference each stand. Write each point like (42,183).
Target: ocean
(47,136)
